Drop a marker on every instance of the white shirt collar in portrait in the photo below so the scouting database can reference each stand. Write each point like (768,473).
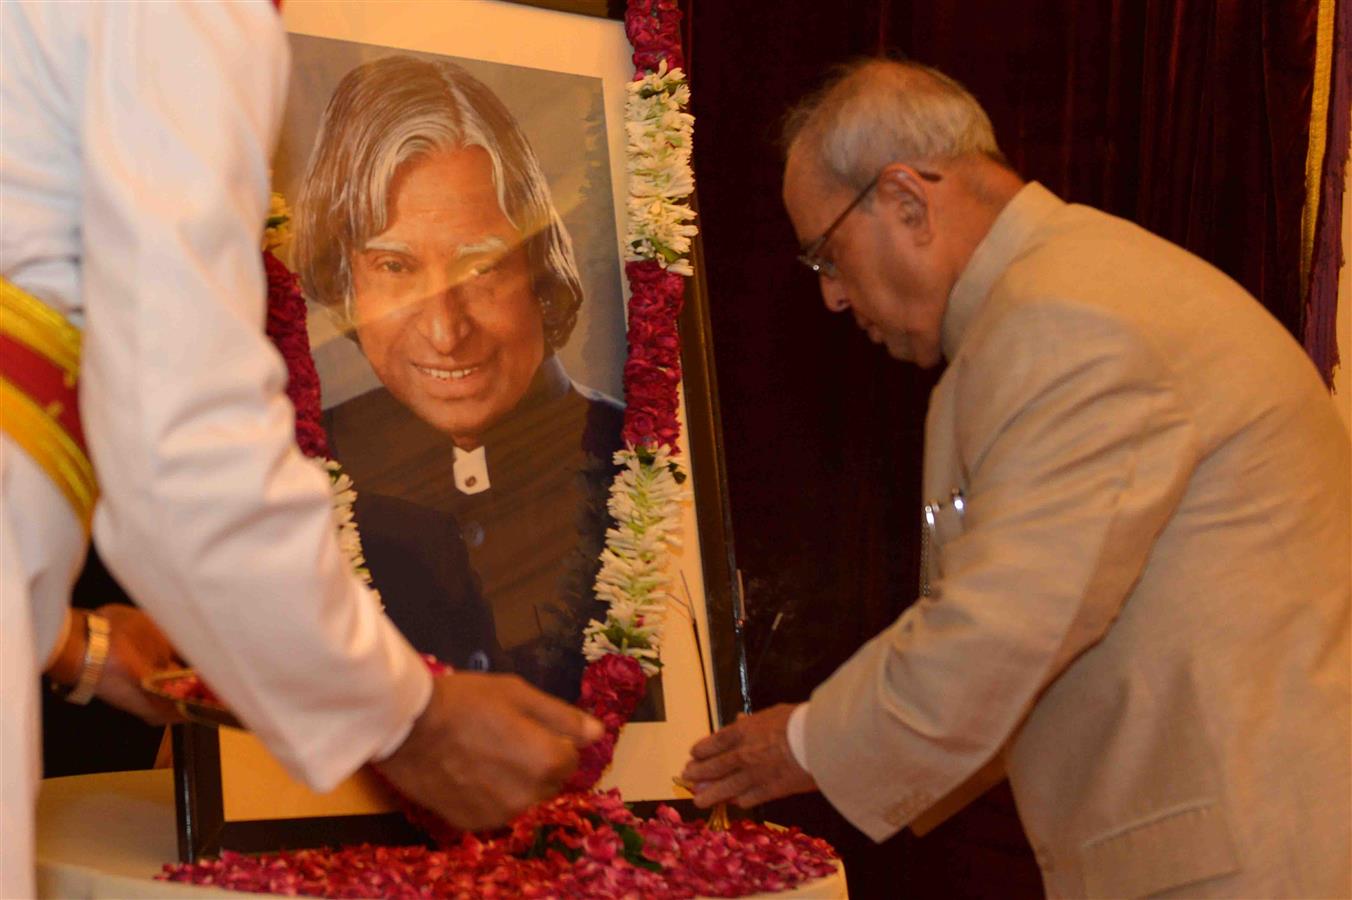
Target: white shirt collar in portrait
(471,470)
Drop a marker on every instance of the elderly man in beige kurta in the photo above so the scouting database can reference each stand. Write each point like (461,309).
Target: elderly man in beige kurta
(1138,577)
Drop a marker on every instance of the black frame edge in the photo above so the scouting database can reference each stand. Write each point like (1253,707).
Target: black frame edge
(713,509)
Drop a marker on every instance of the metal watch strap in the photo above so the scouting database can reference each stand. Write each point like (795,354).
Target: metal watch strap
(97,642)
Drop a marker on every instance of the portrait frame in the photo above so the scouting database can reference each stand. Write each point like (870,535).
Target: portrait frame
(276,813)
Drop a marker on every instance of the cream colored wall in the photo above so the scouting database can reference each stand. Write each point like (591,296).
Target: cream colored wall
(1342,376)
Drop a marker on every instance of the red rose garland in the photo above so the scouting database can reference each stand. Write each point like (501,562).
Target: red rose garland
(654,29)
(612,688)
(286,327)
(614,684)
(652,372)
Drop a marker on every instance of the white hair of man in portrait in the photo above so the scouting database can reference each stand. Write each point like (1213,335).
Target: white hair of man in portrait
(393,110)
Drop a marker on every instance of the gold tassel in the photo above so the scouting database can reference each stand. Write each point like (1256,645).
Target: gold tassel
(1314,156)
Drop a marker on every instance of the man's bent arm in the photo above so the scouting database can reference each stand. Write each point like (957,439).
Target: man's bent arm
(1075,464)
(210,516)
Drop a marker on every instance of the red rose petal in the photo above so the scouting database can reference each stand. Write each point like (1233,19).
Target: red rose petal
(746,859)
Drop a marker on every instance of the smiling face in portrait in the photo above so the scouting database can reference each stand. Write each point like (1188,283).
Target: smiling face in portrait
(884,267)
(443,298)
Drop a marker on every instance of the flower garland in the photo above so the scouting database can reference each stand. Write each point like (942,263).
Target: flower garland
(286,328)
(624,649)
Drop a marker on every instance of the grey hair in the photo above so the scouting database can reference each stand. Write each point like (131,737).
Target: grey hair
(875,112)
(396,109)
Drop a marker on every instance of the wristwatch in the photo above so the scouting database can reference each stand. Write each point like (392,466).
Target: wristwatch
(97,642)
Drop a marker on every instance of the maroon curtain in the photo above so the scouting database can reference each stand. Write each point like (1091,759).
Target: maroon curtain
(1189,117)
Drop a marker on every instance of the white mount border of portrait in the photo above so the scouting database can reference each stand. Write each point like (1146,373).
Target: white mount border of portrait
(648,754)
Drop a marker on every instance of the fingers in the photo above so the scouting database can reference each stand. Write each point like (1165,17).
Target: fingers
(125,693)
(712,768)
(154,713)
(720,741)
(488,793)
(747,763)
(544,758)
(717,768)
(744,787)
(723,790)
(137,640)
(752,786)
(756,794)
(487,747)
(567,721)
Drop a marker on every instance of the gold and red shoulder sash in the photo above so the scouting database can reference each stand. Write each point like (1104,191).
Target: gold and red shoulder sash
(39,376)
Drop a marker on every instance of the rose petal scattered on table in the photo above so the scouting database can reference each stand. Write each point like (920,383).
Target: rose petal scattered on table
(577,845)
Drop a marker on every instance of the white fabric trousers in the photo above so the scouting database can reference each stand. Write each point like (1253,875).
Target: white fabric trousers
(41,549)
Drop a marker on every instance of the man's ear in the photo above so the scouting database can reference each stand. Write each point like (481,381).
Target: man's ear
(907,197)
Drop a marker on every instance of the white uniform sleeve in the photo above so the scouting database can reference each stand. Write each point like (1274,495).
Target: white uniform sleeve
(1078,451)
(796,733)
(210,516)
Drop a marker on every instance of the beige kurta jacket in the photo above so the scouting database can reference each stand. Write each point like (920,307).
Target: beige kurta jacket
(1141,609)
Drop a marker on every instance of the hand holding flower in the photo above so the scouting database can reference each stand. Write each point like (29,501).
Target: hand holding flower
(487,747)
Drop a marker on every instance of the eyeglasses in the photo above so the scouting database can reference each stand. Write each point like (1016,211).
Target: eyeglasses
(810,253)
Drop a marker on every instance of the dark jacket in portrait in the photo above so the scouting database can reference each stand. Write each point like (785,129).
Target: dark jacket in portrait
(418,562)
(535,534)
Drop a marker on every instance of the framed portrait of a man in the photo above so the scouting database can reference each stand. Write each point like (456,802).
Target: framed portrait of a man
(447,288)
(456,176)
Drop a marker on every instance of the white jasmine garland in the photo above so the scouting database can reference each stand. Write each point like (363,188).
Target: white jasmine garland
(343,496)
(645,504)
(645,497)
(659,130)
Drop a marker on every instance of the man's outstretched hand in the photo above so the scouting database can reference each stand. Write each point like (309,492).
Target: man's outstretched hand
(487,747)
(748,762)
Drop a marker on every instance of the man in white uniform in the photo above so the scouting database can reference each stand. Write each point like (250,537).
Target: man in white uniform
(134,144)
(1137,595)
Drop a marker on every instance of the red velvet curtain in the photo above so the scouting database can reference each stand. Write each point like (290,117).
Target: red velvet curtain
(1189,117)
